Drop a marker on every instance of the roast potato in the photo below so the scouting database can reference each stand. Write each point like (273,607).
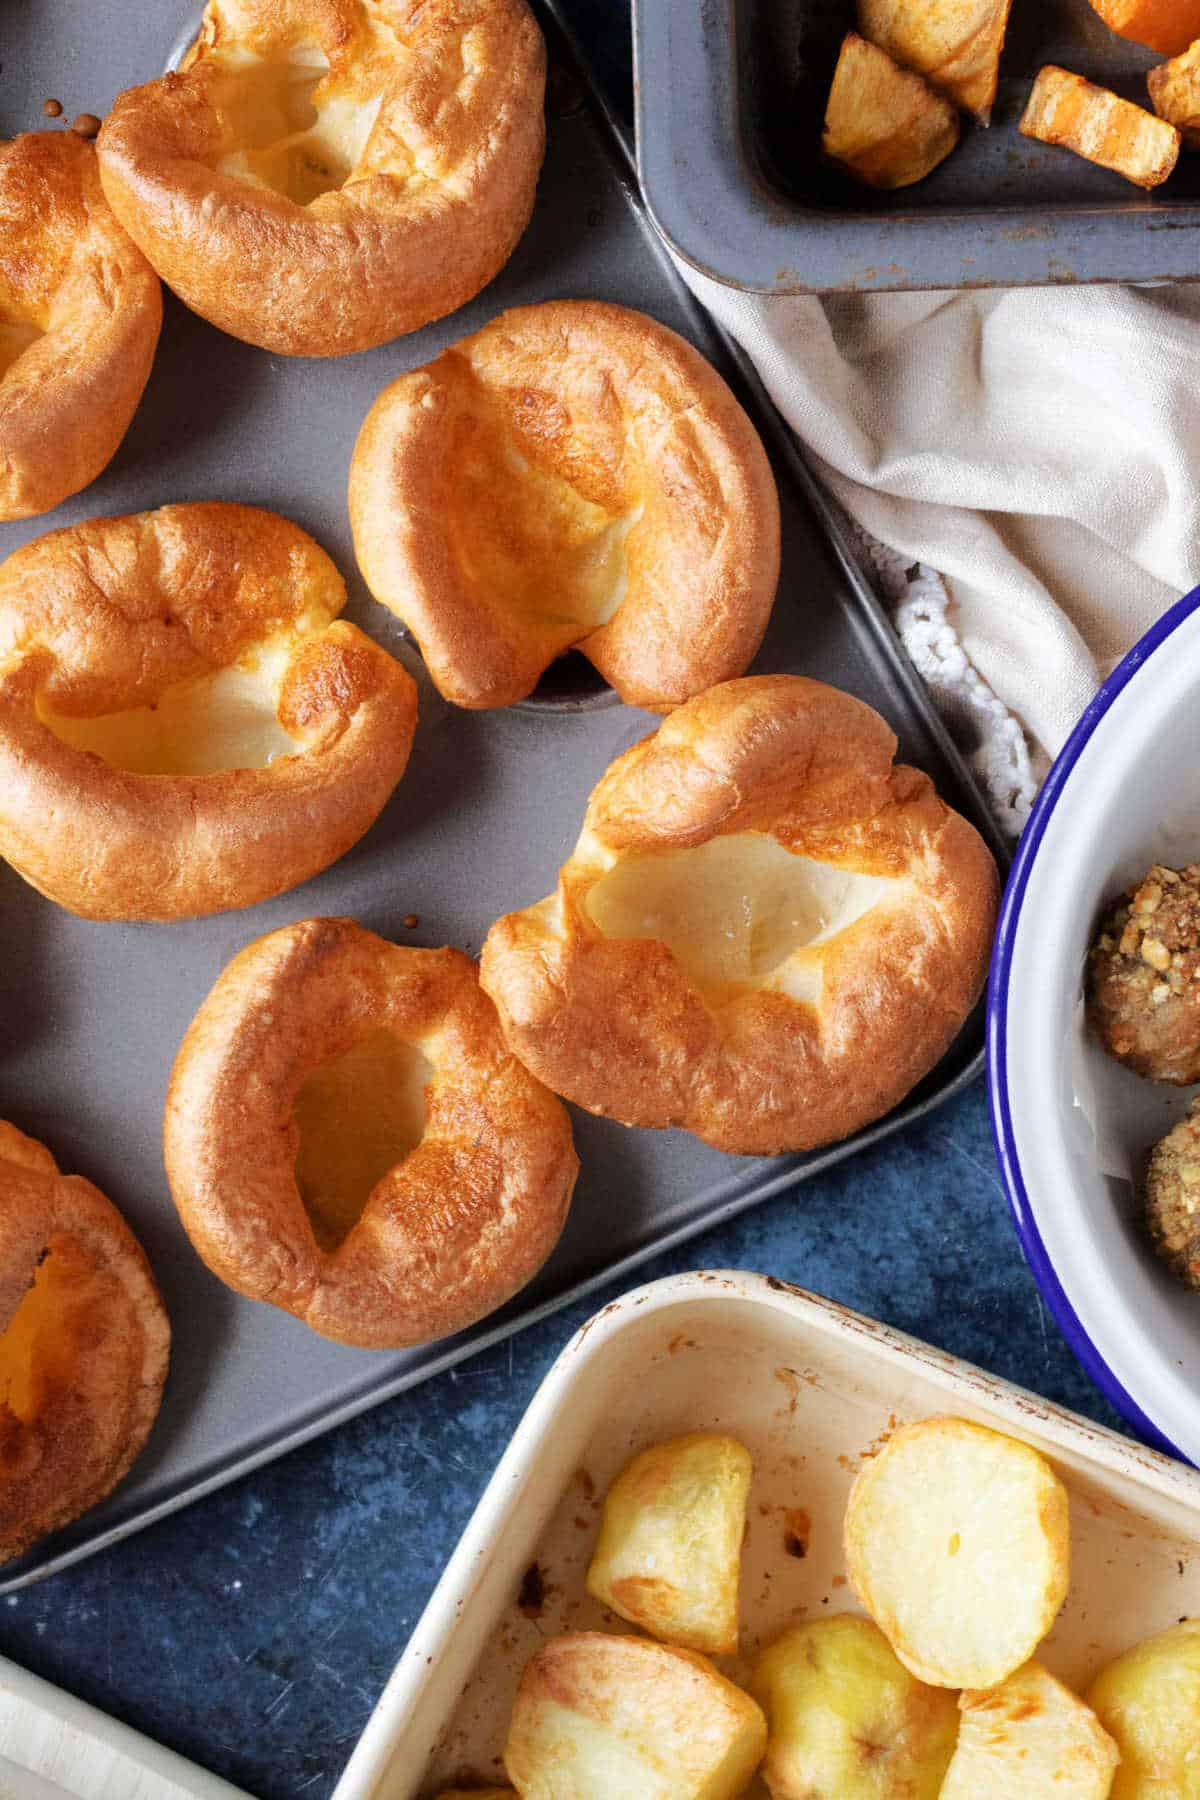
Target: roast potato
(1066,110)
(954,44)
(1167,26)
(1029,1737)
(599,1717)
(846,1718)
(958,1545)
(1175,94)
(1149,1699)
(884,125)
(669,1552)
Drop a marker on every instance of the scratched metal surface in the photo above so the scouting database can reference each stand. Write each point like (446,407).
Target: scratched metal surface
(730,100)
(91,1015)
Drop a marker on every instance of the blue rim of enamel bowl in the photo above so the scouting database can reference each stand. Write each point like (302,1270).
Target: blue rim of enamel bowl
(999,982)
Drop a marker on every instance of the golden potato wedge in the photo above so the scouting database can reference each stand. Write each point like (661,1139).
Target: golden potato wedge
(669,1553)
(884,125)
(958,1545)
(1175,94)
(597,1717)
(1149,1699)
(1066,110)
(954,44)
(1167,26)
(845,1717)
(1030,1737)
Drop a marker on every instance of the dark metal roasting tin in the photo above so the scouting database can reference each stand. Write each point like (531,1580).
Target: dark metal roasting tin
(730,101)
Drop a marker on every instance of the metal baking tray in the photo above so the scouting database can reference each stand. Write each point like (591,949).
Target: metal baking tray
(730,98)
(91,1015)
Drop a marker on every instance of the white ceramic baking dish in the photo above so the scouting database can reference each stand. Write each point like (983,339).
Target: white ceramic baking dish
(810,1388)
(55,1747)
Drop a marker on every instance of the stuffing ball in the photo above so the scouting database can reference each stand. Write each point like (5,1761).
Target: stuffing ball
(1144,977)
(1171,1195)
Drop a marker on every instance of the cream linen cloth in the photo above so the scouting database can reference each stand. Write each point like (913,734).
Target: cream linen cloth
(1040,449)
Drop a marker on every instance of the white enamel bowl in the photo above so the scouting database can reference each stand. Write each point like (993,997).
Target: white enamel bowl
(1072,1126)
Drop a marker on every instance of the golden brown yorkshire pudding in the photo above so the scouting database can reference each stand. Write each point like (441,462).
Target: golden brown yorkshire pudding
(321,175)
(83,1344)
(572,475)
(348,1137)
(185,724)
(767,933)
(80,309)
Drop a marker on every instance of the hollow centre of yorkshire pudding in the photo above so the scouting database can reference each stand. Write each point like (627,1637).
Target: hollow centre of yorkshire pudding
(226,720)
(45,1336)
(16,335)
(733,910)
(285,127)
(358,1115)
(542,545)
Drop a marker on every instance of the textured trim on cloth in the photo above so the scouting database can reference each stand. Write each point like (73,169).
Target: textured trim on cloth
(1008,768)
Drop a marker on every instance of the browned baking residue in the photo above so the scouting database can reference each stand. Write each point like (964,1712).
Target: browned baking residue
(411,921)
(85,125)
(789,1379)
(531,1596)
(587,1484)
(52,108)
(797,1529)
(839,1581)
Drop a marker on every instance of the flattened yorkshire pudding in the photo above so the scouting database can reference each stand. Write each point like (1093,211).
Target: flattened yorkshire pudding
(348,1137)
(80,309)
(185,724)
(572,475)
(767,933)
(321,175)
(83,1344)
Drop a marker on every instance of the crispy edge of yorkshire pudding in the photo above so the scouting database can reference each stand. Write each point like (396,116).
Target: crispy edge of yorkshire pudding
(618,1025)
(428,216)
(104,616)
(92,1419)
(636,420)
(68,269)
(449,1233)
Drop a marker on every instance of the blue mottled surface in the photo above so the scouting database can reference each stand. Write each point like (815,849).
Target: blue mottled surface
(254,1631)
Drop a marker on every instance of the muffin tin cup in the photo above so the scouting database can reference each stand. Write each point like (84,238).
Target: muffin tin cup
(91,1015)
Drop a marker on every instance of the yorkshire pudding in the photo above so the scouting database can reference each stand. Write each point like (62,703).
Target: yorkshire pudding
(321,175)
(185,725)
(80,309)
(766,933)
(348,1137)
(572,475)
(83,1344)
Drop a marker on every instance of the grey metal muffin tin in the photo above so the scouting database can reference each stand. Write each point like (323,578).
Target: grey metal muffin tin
(91,1015)
(730,101)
